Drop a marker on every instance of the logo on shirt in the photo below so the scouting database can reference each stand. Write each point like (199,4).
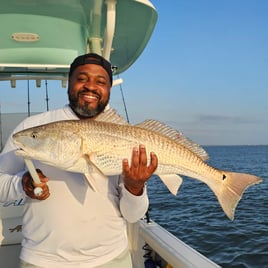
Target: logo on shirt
(14,203)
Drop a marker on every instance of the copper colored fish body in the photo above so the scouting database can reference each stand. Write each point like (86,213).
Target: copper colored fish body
(88,146)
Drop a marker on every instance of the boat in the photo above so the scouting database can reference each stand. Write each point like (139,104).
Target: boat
(38,42)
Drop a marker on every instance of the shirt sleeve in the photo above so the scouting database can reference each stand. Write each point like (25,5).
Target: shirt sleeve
(12,169)
(133,207)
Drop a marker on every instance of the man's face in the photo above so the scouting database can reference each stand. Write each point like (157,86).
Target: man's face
(89,90)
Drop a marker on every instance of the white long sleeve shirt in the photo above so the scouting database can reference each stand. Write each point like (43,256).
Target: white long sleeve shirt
(76,226)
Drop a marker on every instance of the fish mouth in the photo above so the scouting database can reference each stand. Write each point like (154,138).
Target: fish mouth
(21,152)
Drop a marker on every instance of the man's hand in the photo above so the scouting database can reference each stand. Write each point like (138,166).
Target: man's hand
(138,173)
(28,185)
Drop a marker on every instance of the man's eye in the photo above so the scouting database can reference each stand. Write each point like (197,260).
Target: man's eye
(81,79)
(101,82)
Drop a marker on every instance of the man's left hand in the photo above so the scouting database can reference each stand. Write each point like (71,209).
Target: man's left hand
(139,172)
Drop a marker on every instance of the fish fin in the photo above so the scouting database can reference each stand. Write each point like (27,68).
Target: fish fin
(232,189)
(92,168)
(85,166)
(82,165)
(110,115)
(91,181)
(172,181)
(175,135)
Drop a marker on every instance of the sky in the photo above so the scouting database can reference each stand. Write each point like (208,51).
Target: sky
(203,72)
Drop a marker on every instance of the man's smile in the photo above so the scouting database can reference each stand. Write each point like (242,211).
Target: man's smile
(88,96)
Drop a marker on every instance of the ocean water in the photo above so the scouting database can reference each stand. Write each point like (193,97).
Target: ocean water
(195,216)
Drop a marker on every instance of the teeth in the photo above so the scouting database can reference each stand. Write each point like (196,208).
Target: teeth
(90,97)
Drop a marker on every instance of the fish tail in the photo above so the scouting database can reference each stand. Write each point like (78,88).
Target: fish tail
(232,189)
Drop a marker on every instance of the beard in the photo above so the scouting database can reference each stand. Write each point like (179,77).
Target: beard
(85,110)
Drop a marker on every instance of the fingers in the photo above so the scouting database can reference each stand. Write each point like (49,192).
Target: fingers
(142,158)
(138,162)
(136,174)
(135,159)
(42,177)
(153,163)
(126,168)
(139,168)
(29,185)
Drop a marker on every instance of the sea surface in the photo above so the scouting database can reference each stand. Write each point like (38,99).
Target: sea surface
(195,216)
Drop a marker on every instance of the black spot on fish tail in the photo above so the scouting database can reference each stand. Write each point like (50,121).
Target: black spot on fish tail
(223,177)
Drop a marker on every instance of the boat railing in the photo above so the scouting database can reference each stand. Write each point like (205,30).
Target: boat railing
(170,250)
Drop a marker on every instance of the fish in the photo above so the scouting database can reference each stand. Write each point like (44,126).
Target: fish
(88,146)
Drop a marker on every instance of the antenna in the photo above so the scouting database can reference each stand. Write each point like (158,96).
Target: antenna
(28,96)
(123,98)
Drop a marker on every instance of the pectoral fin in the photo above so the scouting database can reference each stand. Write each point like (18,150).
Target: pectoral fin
(85,166)
(89,173)
(91,181)
(172,181)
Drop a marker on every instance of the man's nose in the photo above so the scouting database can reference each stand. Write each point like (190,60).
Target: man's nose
(89,85)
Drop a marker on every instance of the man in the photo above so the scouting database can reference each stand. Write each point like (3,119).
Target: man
(70,224)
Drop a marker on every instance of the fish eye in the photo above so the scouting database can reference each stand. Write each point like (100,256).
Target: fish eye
(34,135)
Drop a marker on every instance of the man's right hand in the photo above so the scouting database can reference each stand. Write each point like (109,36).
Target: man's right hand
(28,185)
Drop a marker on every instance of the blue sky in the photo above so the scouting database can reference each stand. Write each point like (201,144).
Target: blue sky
(204,72)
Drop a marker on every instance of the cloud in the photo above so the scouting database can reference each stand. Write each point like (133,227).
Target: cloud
(225,119)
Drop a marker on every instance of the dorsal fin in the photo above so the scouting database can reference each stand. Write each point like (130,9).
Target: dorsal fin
(110,115)
(175,135)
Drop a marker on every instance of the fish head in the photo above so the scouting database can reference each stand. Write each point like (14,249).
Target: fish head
(52,144)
